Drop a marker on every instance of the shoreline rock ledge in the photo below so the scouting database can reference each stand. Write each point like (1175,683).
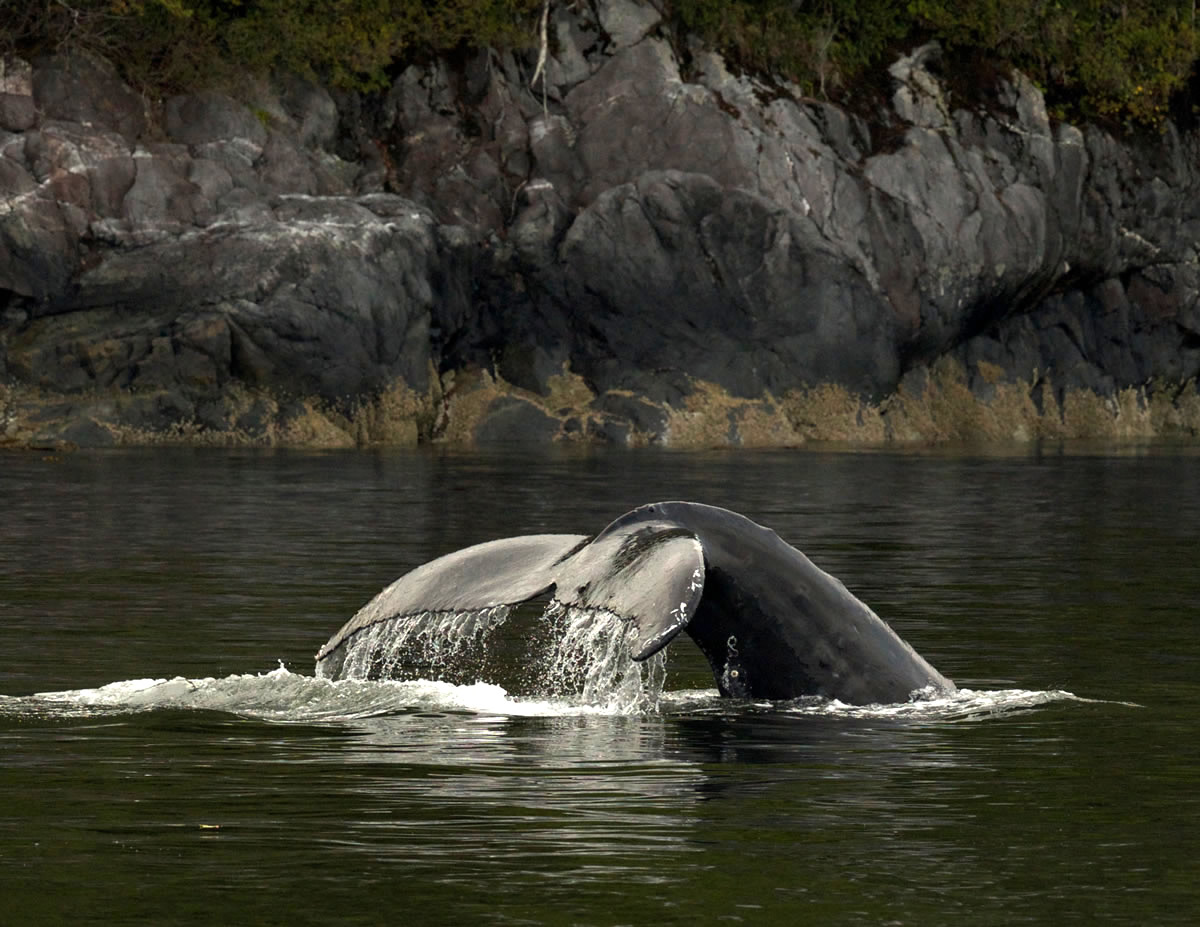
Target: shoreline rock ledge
(647,249)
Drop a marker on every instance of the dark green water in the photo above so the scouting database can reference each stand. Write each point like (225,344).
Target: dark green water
(245,793)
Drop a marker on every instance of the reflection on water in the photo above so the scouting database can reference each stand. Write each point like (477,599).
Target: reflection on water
(161,778)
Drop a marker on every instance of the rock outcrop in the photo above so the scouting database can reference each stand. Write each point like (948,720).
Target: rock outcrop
(643,248)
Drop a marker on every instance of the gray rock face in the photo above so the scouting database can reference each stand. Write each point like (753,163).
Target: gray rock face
(747,294)
(645,225)
(18,112)
(197,119)
(85,89)
(317,298)
(155,267)
(627,22)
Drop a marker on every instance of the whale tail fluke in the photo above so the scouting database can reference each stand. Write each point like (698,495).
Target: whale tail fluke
(771,623)
(476,587)
(650,575)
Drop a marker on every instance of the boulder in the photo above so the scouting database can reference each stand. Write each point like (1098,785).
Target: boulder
(745,295)
(312,110)
(627,22)
(209,116)
(161,193)
(512,420)
(18,111)
(84,88)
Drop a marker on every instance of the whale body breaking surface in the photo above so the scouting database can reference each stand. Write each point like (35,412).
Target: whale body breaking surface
(771,624)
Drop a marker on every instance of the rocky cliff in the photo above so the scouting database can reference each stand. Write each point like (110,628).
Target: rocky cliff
(642,247)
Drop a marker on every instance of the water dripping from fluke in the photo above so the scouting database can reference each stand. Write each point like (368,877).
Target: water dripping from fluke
(581,656)
(590,660)
(434,645)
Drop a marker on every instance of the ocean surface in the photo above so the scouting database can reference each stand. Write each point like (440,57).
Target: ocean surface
(167,755)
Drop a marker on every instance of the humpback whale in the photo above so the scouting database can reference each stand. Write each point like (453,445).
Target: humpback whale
(771,623)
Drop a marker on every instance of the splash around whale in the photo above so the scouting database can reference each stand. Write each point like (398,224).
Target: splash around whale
(771,624)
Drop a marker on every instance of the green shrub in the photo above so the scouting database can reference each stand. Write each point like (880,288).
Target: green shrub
(1117,60)
(820,46)
(352,43)
(1120,62)
(171,44)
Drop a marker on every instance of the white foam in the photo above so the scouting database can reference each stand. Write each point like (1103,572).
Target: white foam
(961,705)
(285,697)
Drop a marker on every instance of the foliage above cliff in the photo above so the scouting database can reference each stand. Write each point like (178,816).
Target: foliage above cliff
(1122,61)
(175,44)
(1117,61)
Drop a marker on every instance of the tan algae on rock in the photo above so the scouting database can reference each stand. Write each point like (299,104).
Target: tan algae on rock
(934,405)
